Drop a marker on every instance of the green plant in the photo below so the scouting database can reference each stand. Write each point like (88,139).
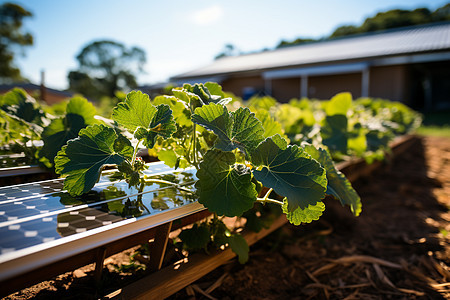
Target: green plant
(228,162)
(233,151)
(26,128)
(360,128)
(21,124)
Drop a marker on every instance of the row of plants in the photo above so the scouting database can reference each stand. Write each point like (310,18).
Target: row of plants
(360,128)
(38,131)
(251,158)
(326,131)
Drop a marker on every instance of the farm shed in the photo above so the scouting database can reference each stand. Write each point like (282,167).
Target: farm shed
(411,65)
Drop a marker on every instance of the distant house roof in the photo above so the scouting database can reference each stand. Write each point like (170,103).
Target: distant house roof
(32,86)
(406,41)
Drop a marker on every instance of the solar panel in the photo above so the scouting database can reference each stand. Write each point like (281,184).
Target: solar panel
(40,215)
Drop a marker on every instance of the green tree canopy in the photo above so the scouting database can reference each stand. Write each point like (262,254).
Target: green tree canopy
(384,20)
(106,67)
(297,41)
(228,50)
(12,38)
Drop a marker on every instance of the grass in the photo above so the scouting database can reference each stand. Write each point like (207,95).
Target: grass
(434,130)
(435,124)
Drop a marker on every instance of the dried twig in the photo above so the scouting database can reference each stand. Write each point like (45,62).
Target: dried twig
(320,285)
(216,284)
(352,295)
(386,280)
(355,259)
(199,290)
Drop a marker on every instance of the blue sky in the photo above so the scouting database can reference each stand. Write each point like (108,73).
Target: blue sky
(178,35)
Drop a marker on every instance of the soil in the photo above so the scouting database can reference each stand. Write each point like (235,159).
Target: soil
(398,248)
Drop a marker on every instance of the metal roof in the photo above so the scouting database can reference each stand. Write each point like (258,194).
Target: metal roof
(412,40)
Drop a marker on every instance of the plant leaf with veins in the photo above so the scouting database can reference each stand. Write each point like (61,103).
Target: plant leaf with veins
(238,129)
(199,94)
(144,120)
(225,187)
(338,184)
(270,125)
(306,215)
(291,172)
(179,109)
(83,158)
(79,114)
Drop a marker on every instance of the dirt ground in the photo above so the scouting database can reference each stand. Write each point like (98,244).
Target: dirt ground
(398,248)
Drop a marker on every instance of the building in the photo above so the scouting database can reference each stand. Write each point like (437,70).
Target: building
(411,65)
(50,96)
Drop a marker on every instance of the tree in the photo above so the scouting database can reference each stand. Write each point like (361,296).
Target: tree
(297,41)
(441,14)
(345,30)
(385,20)
(229,50)
(396,18)
(12,38)
(106,67)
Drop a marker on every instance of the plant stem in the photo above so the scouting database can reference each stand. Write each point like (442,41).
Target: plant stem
(169,183)
(266,196)
(268,200)
(135,153)
(194,146)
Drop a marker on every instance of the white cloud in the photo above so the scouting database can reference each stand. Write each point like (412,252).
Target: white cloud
(207,15)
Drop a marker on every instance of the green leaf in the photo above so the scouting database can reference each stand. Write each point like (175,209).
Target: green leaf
(334,133)
(191,99)
(291,172)
(378,139)
(305,215)
(339,104)
(338,184)
(144,120)
(209,92)
(358,143)
(14,128)
(200,90)
(171,153)
(225,187)
(195,238)
(79,114)
(21,105)
(239,246)
(136,111)
(58,133)
(179,109)
(83,158)
(168,156)
(199,94)
(271,127)
(84,108)
(266,102)
(239,129)
(214,89)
